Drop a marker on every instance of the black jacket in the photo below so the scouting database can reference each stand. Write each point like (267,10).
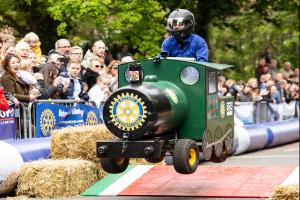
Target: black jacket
(90,77)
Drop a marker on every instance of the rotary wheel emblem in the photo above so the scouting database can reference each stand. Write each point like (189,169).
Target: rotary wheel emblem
(128,112)
(47,121)
(91,118)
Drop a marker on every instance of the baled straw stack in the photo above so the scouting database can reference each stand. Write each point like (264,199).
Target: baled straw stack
(289,192)
(78,142)
(9,184)
(56,178)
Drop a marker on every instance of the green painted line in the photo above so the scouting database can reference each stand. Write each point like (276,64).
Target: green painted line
(105,182)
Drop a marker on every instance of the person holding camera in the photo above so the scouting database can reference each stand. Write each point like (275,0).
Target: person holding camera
(182,42)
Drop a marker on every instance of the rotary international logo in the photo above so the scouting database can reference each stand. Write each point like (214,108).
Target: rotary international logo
(91,118)
(128,112)
(47,121)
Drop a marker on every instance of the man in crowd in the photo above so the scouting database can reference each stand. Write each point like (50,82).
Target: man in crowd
(286,71)
(98,50)
(62,48)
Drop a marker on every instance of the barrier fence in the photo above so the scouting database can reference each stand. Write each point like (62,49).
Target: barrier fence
(38,118)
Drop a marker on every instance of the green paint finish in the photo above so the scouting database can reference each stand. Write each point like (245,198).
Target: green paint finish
(177,99)
(169,71)
(104,183)
(226,117)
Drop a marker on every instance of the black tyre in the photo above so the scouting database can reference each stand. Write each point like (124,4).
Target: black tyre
(207,150)
(186,156)
(156,160)
(114,165)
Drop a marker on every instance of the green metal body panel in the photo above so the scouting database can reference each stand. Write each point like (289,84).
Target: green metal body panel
(169,70)
(224,116)
(178,100)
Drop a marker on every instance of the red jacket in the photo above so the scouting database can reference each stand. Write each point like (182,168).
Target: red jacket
(3,102)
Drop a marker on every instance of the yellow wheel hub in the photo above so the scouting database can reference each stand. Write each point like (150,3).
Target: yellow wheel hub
(119,161)
(192,156)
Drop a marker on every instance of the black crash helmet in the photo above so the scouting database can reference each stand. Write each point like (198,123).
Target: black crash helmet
(181,22)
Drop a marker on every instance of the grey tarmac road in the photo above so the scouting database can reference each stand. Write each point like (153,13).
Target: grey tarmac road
(287,155)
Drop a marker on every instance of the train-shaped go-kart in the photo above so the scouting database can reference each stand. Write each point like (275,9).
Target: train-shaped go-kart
(167,105)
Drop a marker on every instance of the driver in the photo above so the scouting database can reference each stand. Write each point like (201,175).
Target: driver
(182,42)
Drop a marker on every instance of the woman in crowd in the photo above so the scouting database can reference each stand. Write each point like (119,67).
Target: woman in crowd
(112,71)
(11,81)
(92,73)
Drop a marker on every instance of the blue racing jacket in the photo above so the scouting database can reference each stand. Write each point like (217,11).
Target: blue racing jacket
(192,46)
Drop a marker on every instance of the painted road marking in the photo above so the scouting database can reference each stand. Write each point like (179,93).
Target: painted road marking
(292,178)
(125,180)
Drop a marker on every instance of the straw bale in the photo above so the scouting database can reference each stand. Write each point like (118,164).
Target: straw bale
(56,178)
(78,142)
(18,198)
(9,184)
(289,192)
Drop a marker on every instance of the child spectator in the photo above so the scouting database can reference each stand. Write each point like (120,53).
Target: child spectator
(34,42)
(76,87)
(275,96)
(99,92)
(221,86)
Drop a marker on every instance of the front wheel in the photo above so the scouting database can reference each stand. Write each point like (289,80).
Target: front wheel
(186,156)
(114,165)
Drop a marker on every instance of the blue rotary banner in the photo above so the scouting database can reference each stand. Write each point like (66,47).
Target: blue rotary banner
(53,116)
(7,124)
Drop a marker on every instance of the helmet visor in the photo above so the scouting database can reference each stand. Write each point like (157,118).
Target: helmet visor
(176,23)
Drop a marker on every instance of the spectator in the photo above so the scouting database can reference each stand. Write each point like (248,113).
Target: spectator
(92,73)
(273,68)
(100,91)
(98,50)
(12,83)
(6,49)
(221,86)
(3,102)
(108,57)
(295,77)
(275,95)
(126,59)
(62,48)
(286,71)
(112,70)
(22,50)
(76,86)
(34,42)
(76,54)
(51,70)
(124,52)
(262,68)
(267,55)
(244,95)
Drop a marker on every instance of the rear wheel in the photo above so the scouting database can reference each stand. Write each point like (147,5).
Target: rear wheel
(186,156)
(114,165)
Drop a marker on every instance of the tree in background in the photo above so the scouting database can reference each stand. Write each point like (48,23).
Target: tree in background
(236,30)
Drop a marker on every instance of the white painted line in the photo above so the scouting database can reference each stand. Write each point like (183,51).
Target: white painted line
(124,181)
(272,156)
(292,178)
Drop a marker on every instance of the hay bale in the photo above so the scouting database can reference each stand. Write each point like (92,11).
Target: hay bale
(9,184)
(56,178)
(289,192)
(78,142)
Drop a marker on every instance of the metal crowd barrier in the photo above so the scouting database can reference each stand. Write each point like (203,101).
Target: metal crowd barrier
(25,115)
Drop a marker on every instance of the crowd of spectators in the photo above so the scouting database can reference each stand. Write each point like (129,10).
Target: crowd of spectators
(27,74)
(271,83)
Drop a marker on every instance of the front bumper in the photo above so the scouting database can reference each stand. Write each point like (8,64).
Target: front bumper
(130,149)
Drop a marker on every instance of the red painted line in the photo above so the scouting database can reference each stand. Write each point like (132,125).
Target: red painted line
(210,181)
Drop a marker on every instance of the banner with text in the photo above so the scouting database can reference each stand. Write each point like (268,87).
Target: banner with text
(7,124)
(51,116)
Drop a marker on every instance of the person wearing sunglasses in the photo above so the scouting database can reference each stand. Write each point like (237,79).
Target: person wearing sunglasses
(92,73)
(112,71)
(182,42)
